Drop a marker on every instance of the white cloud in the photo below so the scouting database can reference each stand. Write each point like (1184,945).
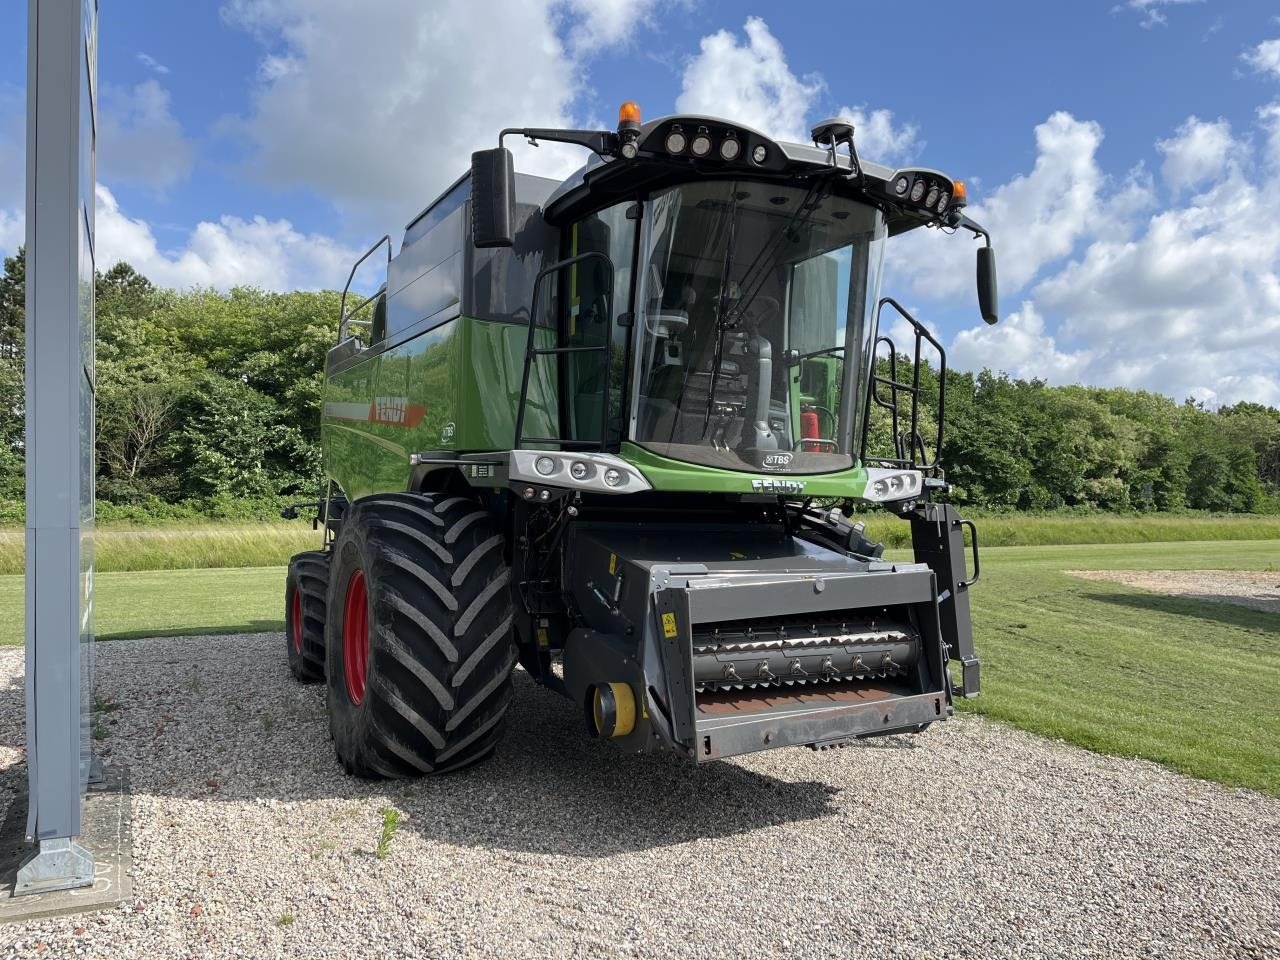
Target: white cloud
(1019,346)
(13,153)
(152,64)
(879,139)
(1201,151)
(1185,302)
(1150,10)
(12,231)
(232,252)
(1264,58)
(378,108)
(1036,218)
(604,23)
(750,81)
(139,139)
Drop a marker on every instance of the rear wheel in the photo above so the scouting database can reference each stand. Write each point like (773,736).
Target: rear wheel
(305,593)
(419,647)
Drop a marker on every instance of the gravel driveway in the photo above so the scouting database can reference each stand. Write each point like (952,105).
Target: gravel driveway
(971,840)
(1245,588)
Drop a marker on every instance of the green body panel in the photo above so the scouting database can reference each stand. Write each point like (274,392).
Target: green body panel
(675,475)
(456,388)
(453,388)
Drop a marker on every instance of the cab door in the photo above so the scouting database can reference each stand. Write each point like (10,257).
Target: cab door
(595,313)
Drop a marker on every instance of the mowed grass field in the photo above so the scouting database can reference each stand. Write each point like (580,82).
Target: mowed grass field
(119,548)
(1190,684)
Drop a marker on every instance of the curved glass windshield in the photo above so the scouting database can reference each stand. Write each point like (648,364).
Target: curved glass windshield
(757,307)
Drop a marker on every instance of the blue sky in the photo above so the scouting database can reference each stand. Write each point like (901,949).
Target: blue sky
(1125,153)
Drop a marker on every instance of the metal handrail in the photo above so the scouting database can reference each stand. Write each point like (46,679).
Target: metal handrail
(906,444)
(346,318)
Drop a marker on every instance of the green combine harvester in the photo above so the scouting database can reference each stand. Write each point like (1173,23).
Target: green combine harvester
(614,429)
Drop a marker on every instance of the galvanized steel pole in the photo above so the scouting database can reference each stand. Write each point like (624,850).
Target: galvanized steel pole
(61,90)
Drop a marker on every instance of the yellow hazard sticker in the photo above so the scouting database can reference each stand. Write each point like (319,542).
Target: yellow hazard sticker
(543,640)
(613,564)
(669,625)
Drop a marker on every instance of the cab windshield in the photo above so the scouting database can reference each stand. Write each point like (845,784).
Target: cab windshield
(757,325)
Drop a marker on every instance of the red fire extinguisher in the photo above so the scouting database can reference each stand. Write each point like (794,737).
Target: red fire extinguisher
(809,430)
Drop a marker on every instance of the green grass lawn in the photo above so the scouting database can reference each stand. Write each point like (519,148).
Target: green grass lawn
(1190,684)
(168,602)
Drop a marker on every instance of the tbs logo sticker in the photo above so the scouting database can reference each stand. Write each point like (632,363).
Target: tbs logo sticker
(777,461)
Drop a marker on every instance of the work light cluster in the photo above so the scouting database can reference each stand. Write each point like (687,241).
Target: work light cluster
(699,142)
(924,191)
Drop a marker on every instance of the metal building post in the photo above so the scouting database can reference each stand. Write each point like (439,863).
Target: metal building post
(61,89)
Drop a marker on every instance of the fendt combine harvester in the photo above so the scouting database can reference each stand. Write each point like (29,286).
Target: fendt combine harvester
(613,429)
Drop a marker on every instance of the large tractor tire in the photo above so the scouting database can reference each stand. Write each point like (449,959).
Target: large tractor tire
(419,643)
(306,591)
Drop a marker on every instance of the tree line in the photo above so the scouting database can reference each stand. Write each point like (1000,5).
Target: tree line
(208,405)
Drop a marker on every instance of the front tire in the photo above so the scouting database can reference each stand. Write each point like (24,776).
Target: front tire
(419,644)
(305,593)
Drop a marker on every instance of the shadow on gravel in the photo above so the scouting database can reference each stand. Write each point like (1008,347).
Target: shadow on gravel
(1223,609)
(547,788)
(550,789)
(154,633)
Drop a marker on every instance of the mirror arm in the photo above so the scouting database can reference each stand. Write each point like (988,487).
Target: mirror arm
(977,229)
(601,142)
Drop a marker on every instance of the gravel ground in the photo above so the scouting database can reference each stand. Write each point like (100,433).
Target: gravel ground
(1260,591)
(970,840)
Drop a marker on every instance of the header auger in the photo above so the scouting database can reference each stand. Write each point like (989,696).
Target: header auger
(612,429)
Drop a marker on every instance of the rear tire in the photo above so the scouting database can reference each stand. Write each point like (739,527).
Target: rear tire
(419,643)
(305,594)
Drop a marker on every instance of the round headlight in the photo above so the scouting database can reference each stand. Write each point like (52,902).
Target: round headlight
(900,186)
(701,145)
(730,149)
(895,482)
(917,191)
(579,470)
(676,141)
(613,477)
(880,488)
(943,201)
(932,198)
(759,153)
(629,150)
(545,466)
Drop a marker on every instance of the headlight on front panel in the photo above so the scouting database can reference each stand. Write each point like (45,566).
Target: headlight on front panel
(598,472)
(885,486)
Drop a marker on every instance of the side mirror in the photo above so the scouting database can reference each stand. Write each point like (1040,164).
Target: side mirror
(493,190)
(988,296)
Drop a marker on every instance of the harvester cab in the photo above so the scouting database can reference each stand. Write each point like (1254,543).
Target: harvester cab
(618,429)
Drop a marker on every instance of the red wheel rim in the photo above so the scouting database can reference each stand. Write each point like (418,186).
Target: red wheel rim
(355,636)
(297,621)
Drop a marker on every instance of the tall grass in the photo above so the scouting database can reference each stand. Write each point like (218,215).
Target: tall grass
(182,547)
(200,546)
(1030,530)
